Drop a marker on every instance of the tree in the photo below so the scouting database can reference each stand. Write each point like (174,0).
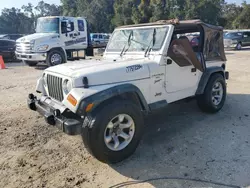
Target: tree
(159,10)
(97,12)
(104,15)
(69,7)
(229,13)
(242,20)
(45,9)
(123,12)
(14,21)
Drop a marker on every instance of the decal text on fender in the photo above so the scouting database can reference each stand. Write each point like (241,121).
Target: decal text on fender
(133,68)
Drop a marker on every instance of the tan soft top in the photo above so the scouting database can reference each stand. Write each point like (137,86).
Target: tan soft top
(176,22)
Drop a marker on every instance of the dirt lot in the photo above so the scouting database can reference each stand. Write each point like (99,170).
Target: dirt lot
(179,141)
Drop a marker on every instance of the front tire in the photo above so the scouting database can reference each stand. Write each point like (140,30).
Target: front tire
(114,131)
(214,96)
(55,57)
(31,63)
(239,46)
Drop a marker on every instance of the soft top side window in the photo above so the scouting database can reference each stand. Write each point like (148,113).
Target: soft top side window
(193,38)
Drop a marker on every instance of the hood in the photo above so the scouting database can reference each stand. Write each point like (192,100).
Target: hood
(102,71)
(37,36)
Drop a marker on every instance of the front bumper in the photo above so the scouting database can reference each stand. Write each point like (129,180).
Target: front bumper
(66,121)
(230,46)
(31,56)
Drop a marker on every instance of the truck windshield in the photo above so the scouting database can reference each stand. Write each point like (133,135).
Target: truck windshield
(47,25)
(139,40)
(233,35)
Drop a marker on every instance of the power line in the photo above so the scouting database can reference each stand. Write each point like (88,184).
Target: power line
(128,183)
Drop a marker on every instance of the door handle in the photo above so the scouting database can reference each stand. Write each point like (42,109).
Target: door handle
(169,62)
(193,70)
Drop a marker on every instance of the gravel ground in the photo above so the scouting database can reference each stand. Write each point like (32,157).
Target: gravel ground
(179,140)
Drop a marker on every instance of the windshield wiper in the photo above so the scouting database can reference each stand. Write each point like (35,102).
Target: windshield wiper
(128,43)
(151,44)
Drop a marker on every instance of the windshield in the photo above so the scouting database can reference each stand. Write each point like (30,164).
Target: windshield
(232,35)
(140,39)
(47,25)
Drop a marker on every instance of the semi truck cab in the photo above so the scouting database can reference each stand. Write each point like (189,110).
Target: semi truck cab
(55,38)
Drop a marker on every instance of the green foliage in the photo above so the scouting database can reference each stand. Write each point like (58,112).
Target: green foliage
(14,21)
(242,20)
(97,12)
(123,10)
(105,15)
(23,21)
(69,7)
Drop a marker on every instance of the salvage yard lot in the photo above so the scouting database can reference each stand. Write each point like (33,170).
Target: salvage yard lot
(179,140)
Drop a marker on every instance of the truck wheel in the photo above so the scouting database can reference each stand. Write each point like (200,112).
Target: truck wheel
(55,57)
(239,46)
(114,131)
(214,95)
(31,63)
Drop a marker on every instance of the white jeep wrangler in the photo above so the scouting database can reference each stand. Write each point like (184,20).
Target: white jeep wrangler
(145,67)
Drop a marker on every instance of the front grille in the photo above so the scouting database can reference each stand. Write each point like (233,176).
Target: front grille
(23,47)
(227,42)
(55,87)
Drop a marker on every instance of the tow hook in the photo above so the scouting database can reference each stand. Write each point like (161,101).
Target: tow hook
(31,102)
(50,118)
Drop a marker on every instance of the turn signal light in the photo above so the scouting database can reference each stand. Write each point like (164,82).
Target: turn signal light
(89,107)
(72,100)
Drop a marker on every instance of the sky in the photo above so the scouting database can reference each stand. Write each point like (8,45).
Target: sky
(19,3)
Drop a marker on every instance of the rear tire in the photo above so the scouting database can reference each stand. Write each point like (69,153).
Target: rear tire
(97,131)
(214,96)
(31,63)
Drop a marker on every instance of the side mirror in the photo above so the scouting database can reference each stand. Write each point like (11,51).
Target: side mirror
(169,62)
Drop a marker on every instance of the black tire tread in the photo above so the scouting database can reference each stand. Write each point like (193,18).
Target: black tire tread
(204,101)
(51,53)
(93,137)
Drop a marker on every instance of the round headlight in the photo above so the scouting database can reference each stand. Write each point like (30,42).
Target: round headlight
(67,86)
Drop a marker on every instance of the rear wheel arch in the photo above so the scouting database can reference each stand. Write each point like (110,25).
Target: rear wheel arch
(206,77)
(224,66)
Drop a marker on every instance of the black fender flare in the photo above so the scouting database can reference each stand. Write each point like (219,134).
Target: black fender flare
(206,76)
(109,93)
